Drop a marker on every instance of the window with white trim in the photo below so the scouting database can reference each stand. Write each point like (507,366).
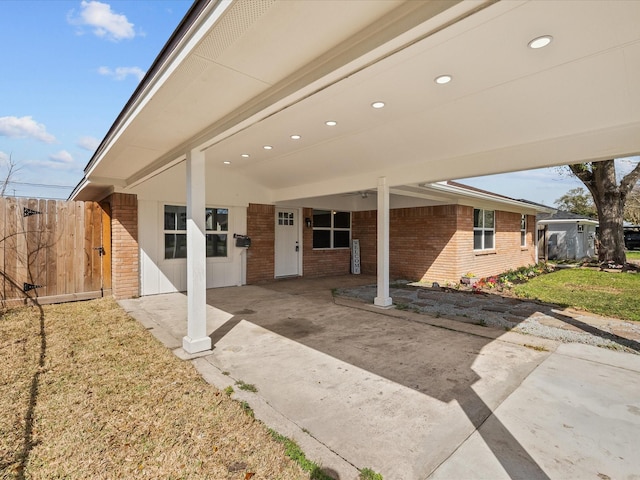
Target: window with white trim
(331,229)
(175,231)
(285,219)
(523,230)
(483,229)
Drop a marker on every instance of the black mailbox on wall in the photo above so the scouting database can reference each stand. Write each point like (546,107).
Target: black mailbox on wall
(242,240)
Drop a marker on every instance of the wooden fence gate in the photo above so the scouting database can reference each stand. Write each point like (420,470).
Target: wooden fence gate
(53,251)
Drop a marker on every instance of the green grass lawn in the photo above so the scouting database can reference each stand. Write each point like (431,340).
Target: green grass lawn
(633,255)
(608,294)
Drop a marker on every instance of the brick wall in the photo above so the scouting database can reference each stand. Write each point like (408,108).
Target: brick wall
(261,254)
(364,228)
(125,272)
(322,263)
(508,253)
(422,241)
(436,243)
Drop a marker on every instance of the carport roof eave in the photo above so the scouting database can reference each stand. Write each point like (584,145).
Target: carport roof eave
(191,18)
(541,146)
(193,21)
(473,193)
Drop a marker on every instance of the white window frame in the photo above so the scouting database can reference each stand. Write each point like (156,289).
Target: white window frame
(484,230)
(213,230)
(523,230)
(332,229)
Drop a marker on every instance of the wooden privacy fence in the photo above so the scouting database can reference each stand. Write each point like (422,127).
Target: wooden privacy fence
(53,251)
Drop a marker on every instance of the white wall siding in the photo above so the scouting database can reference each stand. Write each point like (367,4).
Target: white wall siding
(158,275)
(566,243)
(225,188)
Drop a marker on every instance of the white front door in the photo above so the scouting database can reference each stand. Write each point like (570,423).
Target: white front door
(287,246)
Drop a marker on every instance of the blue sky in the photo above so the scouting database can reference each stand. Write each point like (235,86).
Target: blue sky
(69,67)
(543,185)
(67,70)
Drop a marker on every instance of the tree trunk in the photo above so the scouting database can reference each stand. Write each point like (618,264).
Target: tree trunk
(611,233)
(610,198)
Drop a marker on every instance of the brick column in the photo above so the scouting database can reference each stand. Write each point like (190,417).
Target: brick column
(261,228)
(125,257)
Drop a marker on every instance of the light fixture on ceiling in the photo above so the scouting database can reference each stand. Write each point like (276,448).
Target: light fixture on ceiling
(267,147)
(377,104)
(295,137)
(331,123)
(227,162)
(443,79)
(540,42)
(245,155)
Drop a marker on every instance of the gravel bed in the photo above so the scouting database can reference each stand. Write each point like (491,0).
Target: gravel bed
(491,310)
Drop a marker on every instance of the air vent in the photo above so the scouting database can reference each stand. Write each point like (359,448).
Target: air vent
(234,23)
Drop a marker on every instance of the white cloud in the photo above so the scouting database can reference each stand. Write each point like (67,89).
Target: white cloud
(88,143)
(121,73)
(61,160)
(61,157)
(24,127)
(104,22)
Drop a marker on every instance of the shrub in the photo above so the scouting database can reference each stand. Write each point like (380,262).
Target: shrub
(507,279)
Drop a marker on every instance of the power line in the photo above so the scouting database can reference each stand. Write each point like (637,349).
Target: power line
(43,185)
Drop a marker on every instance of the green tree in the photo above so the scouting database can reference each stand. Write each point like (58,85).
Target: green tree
(610,197)
(577,200)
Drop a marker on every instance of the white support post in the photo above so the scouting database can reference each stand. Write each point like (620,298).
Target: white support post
(197,339)
(383,299)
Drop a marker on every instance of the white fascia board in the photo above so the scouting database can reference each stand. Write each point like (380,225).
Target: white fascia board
(78,189)
(579,221)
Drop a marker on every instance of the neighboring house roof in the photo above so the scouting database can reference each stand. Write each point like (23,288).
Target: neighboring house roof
(238,75)
(561,216)
(543,206)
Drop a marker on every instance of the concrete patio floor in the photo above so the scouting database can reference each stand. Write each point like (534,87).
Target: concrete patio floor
(411,396)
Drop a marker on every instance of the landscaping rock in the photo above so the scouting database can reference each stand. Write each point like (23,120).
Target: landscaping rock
(533,318)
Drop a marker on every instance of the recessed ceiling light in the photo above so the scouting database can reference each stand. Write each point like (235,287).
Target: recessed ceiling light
(540,42)
(227,162)
(295,137)
(267,147)
(245,155)
(377,104)
(331,123)
(442,79)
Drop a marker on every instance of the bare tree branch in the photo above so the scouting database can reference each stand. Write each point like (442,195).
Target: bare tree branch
(630,180)
(11,171)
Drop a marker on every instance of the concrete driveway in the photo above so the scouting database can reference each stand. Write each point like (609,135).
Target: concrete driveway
(412,396)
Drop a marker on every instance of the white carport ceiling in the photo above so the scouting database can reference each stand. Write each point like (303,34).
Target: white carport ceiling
(271,69)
